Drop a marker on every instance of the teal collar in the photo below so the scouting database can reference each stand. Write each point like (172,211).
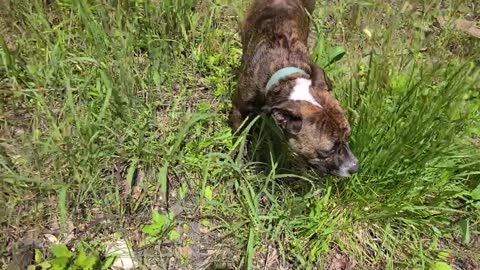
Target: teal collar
(281,74)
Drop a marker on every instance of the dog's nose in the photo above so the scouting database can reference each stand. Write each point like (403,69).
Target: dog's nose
(354,168)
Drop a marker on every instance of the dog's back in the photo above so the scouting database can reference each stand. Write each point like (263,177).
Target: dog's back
(308,4)
(267,15)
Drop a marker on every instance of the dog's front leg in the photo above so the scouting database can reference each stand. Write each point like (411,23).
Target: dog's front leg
(236,121)
(236,118)
(243,105)
(240,117)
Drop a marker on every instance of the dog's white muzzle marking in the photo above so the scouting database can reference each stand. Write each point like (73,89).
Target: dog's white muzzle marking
(301,92)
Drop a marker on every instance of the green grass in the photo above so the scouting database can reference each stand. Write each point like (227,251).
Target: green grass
(114,123)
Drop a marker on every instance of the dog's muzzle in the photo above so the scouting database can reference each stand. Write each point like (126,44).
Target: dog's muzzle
(348,163)
(343,164)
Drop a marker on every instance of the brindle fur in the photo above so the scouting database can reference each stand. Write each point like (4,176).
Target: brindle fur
(274,35)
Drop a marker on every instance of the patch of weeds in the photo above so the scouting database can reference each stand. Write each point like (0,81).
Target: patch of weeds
(62,258)
(324,54)
(158,227)
(217,59)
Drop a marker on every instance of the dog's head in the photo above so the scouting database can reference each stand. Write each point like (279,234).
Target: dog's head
(314,124)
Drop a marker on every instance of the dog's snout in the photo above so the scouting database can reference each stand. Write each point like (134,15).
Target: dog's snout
(349,164)
(354,167)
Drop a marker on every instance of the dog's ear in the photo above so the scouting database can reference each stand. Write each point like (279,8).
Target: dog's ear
(287,120)
(320,79)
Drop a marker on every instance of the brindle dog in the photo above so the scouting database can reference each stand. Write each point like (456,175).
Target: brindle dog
(274,37)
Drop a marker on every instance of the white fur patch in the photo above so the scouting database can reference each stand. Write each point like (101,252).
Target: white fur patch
(301,91)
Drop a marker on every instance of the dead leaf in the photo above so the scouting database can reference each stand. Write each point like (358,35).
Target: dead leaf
(272,257)
(51,238)
(69,235)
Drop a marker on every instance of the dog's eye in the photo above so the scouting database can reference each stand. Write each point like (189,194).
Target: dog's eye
(326,154)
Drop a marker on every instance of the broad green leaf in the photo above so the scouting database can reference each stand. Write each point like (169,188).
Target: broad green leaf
(173,235)
(476,193)
(45,265)
(60,251)
(38,255)
(158,225)
(335,54)
(441,266)
(158,218)
(152,229)
(59,263)
(85,262)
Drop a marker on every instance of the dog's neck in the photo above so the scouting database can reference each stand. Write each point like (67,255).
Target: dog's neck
(282,74)
(294,88)
(301,85)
